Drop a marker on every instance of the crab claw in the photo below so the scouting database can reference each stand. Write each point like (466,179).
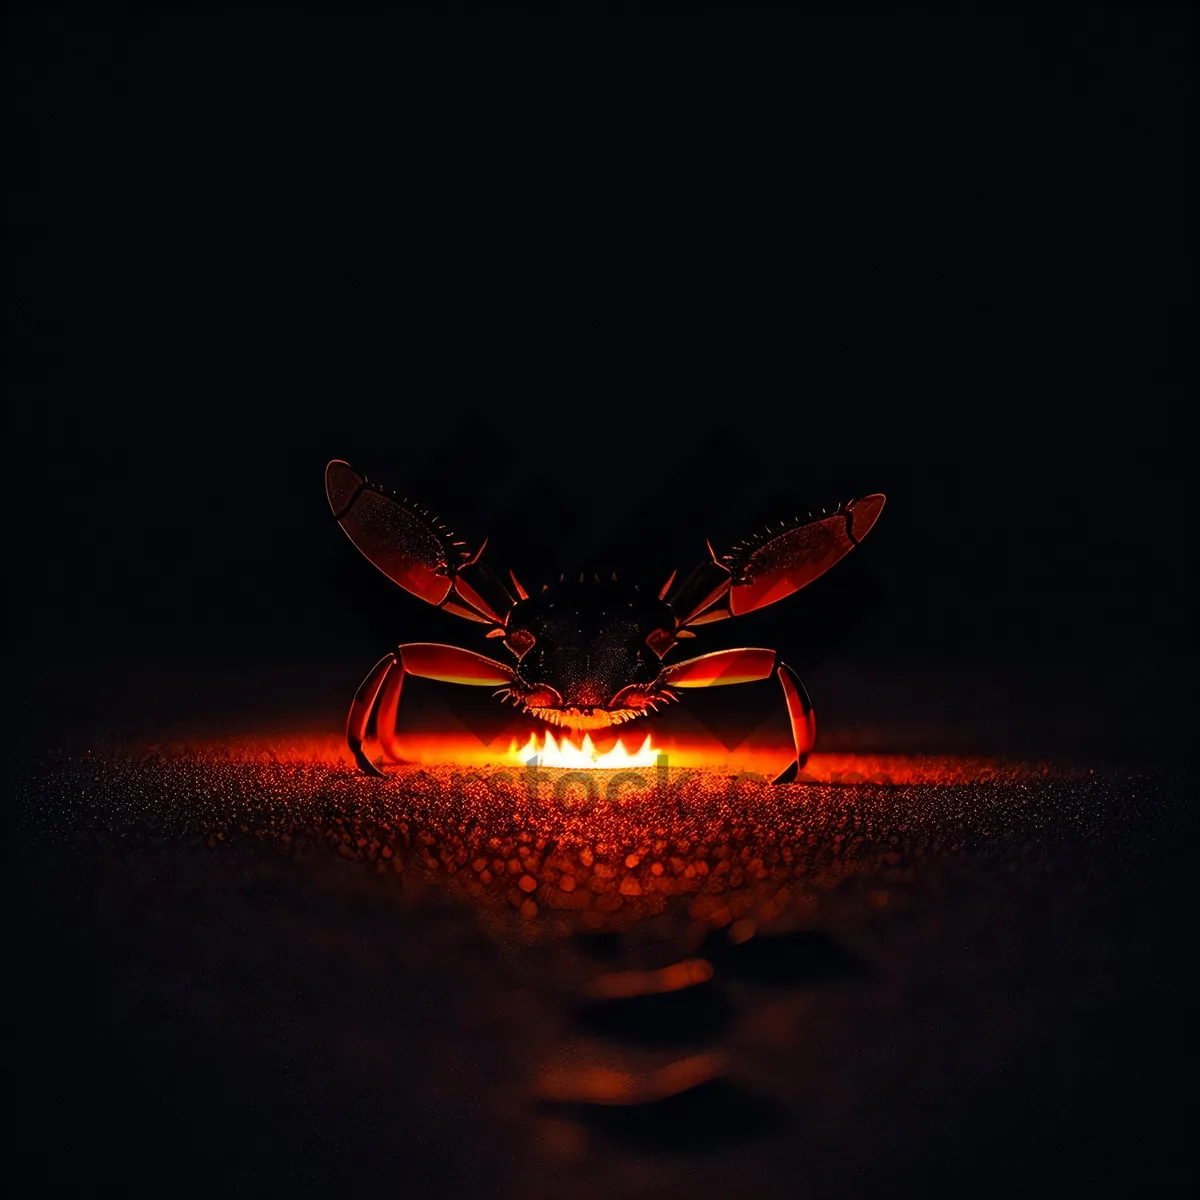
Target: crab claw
(414,548)
(770,566)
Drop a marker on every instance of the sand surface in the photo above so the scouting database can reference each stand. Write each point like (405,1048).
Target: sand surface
(244,968)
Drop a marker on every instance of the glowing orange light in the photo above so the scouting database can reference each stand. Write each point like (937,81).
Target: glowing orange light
(565,753)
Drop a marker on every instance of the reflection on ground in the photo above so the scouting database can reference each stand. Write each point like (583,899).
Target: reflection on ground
(270,962)
(610,847)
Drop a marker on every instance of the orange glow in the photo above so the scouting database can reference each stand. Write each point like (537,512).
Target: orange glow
(623,985)
(328,749)
(591,1084)
(565,753)
(606,850)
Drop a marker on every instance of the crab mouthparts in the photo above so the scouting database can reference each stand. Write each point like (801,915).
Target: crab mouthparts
(586,718)
(575,716)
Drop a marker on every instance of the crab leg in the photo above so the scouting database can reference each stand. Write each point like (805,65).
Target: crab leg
(801,715)
(384,683)
(746,666)
(386,713)
(360,711)
(722,667)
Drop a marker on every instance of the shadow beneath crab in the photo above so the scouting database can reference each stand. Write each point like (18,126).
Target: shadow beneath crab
(705,1118)
(664,1018)
(807,956)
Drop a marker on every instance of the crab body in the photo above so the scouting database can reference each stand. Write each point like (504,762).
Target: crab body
(583,653)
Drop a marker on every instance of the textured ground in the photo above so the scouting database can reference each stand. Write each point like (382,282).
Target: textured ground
(243,970)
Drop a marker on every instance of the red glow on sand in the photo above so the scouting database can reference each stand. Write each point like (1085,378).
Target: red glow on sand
(839,770)
(613,846)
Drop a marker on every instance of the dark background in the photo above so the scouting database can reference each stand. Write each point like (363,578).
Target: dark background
(601,281)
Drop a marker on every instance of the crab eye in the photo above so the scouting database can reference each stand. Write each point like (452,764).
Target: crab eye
(520,642)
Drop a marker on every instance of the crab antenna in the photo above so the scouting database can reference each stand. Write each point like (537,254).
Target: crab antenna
(517,584)
(666,587)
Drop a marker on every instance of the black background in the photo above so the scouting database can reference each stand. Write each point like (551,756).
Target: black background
(600,282)
(597,281)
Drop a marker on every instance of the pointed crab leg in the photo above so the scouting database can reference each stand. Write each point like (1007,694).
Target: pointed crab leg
(381,690)
(722,667)
(360,712)
(800,712)
(385,714)
(746,666)
(451,664)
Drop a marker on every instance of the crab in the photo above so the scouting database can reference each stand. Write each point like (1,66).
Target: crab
(584,653)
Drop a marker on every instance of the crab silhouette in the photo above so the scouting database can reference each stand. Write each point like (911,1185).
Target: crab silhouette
(587,653)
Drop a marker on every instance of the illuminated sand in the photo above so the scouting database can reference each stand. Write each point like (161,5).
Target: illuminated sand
(265,957)
(611,847)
